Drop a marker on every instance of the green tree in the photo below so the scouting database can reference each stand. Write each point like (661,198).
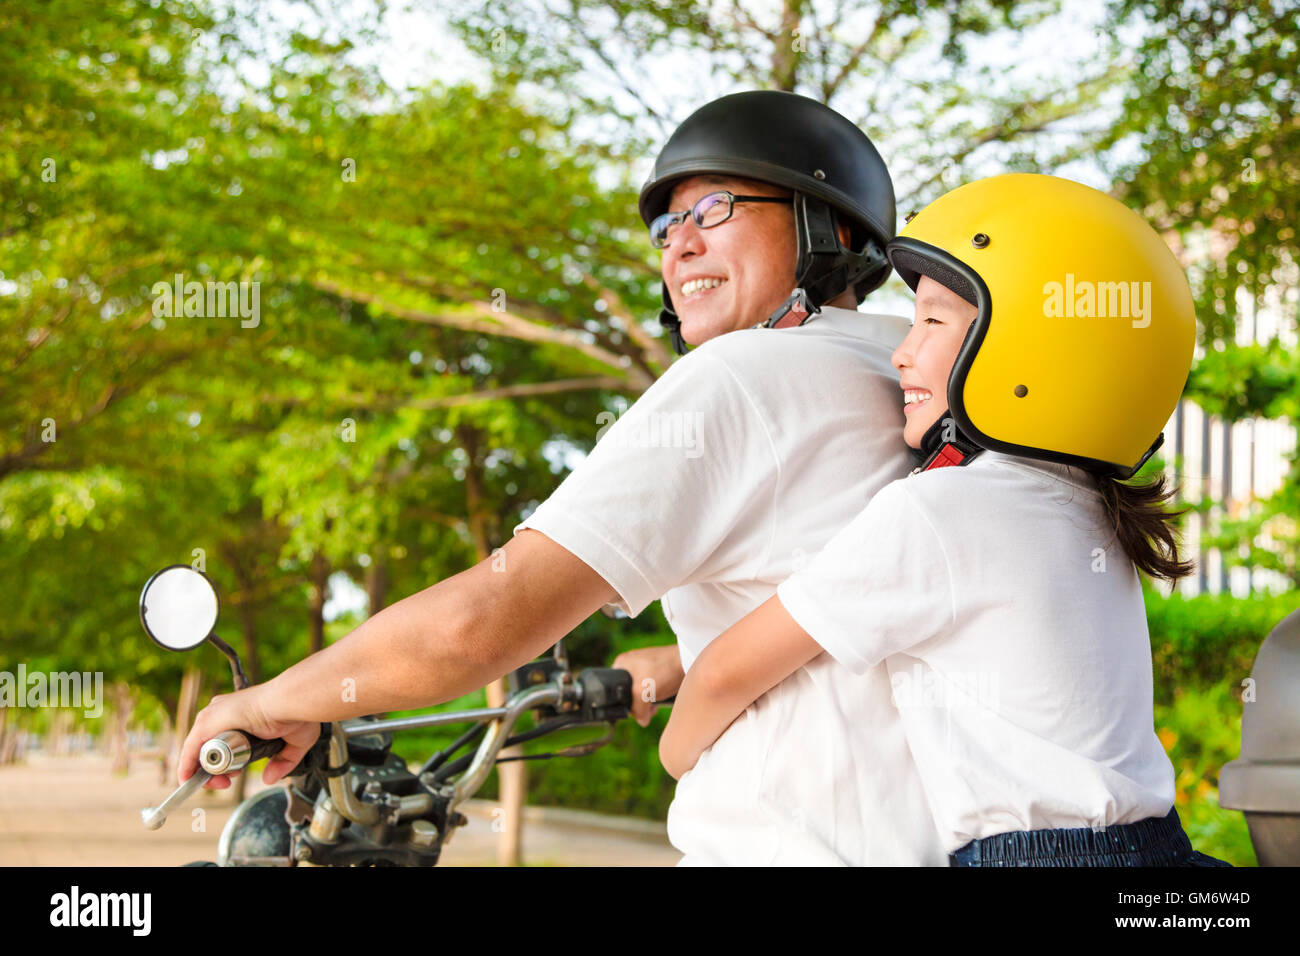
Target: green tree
(1213,112)
(913,74)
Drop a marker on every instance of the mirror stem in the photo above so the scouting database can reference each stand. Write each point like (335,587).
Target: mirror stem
(236,667)
(561,655)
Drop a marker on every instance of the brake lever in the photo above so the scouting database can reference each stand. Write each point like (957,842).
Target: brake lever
(227,752)
(154,817)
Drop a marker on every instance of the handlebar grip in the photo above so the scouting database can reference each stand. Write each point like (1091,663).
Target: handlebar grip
(606,693)
(609,691)
(620,671)
(264,748)
(234,750)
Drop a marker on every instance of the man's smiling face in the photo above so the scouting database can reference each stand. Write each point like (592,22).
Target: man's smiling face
(927,354)
(734,275)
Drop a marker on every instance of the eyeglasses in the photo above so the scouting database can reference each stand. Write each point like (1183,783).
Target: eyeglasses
(712,210)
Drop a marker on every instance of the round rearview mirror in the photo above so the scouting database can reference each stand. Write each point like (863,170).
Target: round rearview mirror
(178,607)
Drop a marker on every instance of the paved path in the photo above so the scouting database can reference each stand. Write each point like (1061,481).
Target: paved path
(72,811)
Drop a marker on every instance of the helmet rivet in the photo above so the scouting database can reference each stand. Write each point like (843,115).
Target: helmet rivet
(980,240)
(819,174)
(1021,391)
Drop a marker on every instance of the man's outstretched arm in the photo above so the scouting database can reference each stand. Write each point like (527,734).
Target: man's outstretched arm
(434,646)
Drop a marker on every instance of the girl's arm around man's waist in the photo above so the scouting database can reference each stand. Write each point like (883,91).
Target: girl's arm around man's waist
(739,666)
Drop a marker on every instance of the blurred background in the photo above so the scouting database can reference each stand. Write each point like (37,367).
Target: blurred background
(431,211)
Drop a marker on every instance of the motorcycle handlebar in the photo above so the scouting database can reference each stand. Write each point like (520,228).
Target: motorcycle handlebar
(606,694)
(602,695)
(234,750)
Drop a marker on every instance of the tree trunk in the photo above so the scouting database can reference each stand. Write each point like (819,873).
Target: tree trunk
(186,708)
(253,667)
(122,707)
(8,737)
(248,627)
(512,777)
(58,734)
(785,53)
(377,580)
(164,741)
(319,580)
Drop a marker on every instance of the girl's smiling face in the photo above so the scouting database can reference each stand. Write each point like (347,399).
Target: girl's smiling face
(926,356)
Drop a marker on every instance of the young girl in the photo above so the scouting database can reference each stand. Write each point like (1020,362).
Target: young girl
(1053,335)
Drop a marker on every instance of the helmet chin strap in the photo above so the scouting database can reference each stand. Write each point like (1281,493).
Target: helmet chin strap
(824,268)
(943,445)
(795,310)
(668,319)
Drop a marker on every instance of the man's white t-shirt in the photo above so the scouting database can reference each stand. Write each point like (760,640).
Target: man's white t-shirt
(728,473)
(1013,627)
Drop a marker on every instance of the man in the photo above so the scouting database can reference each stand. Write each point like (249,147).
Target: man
(791,431)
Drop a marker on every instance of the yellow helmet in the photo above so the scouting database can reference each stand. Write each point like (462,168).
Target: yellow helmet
(1085,331)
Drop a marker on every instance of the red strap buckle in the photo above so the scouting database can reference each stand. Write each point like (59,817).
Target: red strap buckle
(946,456)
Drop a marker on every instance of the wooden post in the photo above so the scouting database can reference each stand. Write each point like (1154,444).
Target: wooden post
(1226,509)
(1203,520)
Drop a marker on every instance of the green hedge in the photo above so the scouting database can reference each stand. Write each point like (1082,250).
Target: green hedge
(1201,731)
(1202,649)
(1210,639)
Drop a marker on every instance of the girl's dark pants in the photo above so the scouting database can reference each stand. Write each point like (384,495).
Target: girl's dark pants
(1150,842)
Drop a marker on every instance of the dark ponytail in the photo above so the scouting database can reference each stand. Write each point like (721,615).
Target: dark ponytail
(1144,526)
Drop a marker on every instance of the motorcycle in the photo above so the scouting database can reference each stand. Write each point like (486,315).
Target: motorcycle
(351,801)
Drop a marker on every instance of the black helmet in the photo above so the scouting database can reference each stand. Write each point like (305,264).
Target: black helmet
(789,140)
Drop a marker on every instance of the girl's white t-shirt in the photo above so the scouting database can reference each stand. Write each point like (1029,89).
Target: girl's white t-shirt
(1013,629)
(735,467)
